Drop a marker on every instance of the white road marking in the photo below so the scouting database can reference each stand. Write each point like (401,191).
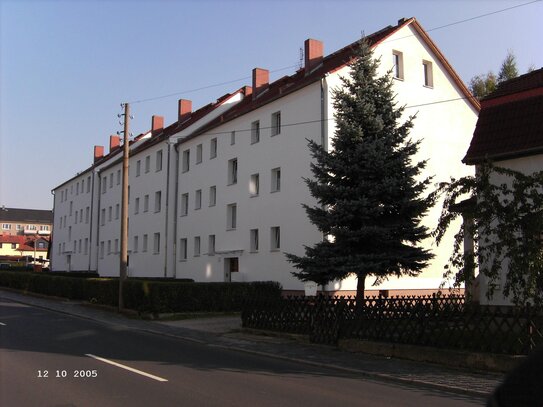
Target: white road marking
(1,323)
(131,369)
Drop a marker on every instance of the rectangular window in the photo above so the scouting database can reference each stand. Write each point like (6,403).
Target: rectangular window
(255,132)
(80,248)
(138,168)
(87,214)
(275,238)
(82,185)
(183,249)
(144,244)
(232,171)
(213,148)
(71,207)
(110,213)
(117,211)
(158,199)
(211,245)
(184,204)
(118,177)
(147,164)
(88,184)
(101,250)
(146,203)
(6,226)
(103,217)
(77,188)
(276,179)
(231,216)
(199,153)
(158,165)
(136,242)
(109,247)
(196,246)
(198,199)
(75,219)
(254,240)
(254,185)
(397,64)
(212,195)
(276,123)
(86,251)
(428,74)
(80,218)
(116,249)
(136,206)
(75,246)
(186,161)
(111,180)
(232,138)
(20,227)
(156,243)
(59,247)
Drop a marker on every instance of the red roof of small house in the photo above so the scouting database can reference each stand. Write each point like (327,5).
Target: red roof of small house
(510,123)
(12,239)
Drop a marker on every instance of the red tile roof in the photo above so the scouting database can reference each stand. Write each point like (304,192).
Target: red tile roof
(331,63)
(12,239)
(510,123)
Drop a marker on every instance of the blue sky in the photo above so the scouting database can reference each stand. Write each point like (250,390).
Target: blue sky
(65,66)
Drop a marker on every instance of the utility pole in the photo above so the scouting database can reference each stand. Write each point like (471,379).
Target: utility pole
(124,207)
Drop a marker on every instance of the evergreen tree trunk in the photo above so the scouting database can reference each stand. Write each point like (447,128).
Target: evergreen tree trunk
(360,287)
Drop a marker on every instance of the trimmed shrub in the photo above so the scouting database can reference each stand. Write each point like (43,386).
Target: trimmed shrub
(145,295)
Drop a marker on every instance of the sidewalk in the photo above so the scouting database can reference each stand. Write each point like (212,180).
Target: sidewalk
(226,332)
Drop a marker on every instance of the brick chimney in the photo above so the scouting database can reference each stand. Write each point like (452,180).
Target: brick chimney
(157,124)
(184,110)
(114,143)
(313,52)
(247,91)
(98,152)
(261,81)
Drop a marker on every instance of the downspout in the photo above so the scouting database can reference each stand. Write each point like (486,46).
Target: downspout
(176,146)
(324,130)
(90,225)
(167,206)
(98,221)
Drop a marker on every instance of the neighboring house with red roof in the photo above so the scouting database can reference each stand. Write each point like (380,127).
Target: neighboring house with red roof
(509,133)
(227,203)
(20,221)
(15,247)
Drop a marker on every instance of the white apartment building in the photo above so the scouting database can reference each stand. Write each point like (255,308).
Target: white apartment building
(230,204)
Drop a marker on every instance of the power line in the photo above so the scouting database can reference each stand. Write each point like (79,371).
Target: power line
(294,66)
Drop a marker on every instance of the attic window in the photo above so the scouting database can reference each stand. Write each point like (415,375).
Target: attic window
(428,74)
(397,64)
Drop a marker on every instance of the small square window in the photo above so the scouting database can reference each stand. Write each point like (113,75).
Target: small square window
(147,164)
(158,201)
(232,138)
(276,123)
(117,211)
(136,241)
(138,168)
(110,180)
(136,206)
(254,185)
(255,132)
(110,214)
(199,148)
(118,177)
(144,244)
(213,148)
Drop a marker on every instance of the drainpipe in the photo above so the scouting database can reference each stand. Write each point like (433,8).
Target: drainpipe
(324,131)
(176,147)
(51,249)
(98,220)
(90,223)
(167,207)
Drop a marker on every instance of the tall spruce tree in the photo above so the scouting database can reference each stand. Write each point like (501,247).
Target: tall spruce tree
(370,201)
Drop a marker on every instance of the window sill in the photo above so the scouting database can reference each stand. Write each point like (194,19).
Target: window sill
(275,250)
(230,229)
(254,196)
(398,79)
(428,86)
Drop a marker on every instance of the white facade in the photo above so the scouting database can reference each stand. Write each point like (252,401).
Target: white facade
(213,225)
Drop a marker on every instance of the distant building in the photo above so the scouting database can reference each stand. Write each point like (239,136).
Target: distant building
(13,248)
(509,133)
(25,222)
(217,195)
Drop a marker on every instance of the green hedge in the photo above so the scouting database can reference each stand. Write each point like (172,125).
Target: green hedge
(149,296)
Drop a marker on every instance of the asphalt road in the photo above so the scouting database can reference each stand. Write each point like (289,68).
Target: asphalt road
(53,359)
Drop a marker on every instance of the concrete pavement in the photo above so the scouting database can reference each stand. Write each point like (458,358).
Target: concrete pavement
(226,332)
